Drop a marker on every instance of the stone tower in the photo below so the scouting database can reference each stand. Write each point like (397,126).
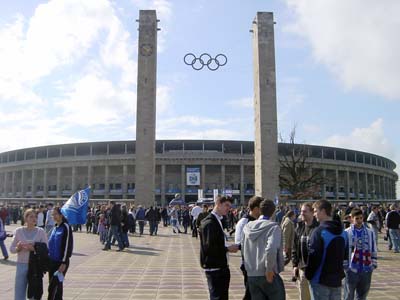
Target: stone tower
(266,157)
(146,108)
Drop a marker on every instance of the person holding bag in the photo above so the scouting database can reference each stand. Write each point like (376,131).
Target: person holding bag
(23,243)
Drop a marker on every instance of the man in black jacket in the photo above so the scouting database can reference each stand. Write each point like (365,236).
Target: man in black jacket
(115,227)
(214,250)
(302,235)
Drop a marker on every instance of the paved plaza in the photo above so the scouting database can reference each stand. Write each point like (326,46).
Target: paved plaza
(165,267)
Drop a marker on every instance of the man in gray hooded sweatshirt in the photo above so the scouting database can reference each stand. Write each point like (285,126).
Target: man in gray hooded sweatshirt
(263,255)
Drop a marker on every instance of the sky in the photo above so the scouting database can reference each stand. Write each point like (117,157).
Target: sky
(68,71)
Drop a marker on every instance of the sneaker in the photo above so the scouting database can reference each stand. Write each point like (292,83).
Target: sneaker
(5,257)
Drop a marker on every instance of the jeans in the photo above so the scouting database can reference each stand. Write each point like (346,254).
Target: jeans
(260,289)
(323,292)
(141,226)
(358,283)
(125,239)
(395,237)
(218,284)
(114,232)
(152,225)
(21,281)
(3,249)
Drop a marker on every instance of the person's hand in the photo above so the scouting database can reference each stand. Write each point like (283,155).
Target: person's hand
(269,276)
(62,268)
(233,248)
(19,246)
(29,247)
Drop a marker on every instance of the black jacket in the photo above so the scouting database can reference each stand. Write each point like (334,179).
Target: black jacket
(38,265)
(301,239)
(326,254)
(393,220)
(212,244)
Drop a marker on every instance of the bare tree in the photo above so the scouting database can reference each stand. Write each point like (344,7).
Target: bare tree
(295,170)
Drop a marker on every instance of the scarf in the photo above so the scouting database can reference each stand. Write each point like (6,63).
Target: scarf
(361,260)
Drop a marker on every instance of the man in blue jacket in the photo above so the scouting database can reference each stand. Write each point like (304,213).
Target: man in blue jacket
(327,254)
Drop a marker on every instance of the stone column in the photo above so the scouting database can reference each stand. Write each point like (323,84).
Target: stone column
(34,183)
(379,186)
(146,107)
(45,188)
(242,184)
(22,183)
(106,182)
(59,188)
(203,178)
(163,172)
(366,185)
(13,183)
(266,157)
(90,175)
(358,185)
(337,184)
(222,179)
(73,180)
(324,185)
(183,181)
(5,184)
(125,181)
(348,184)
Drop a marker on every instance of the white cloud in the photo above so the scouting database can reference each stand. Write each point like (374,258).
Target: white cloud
(357,40)
(207,134)
(247,102)
(94,100)
(369,139)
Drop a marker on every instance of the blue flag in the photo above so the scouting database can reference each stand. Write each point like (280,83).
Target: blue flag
(75,209)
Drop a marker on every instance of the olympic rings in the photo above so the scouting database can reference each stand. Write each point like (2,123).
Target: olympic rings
(205,59)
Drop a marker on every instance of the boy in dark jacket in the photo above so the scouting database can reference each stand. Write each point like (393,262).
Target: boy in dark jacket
(326,255)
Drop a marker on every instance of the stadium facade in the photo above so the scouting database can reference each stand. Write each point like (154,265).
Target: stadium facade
(182,166)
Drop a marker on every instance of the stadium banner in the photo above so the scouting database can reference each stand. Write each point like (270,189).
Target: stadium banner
(193,176)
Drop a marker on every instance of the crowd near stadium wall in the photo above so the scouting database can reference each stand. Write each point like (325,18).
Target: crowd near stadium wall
(55,172)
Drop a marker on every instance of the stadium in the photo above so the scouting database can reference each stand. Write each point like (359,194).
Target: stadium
(55,172)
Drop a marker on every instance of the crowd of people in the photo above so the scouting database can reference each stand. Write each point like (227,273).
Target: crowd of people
(324,244)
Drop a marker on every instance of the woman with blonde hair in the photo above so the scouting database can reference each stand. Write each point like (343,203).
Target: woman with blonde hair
(23,243)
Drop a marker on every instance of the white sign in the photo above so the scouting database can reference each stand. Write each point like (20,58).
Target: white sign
(193,176)
(200,194)
(215,194)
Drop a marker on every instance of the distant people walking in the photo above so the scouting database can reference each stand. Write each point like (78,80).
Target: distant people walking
(195,212)
(288,235)
(263,255)
(393,223)
(49,219)
(115,227)
(23,242)
(326,255)
(174,215)
(3,236)
(214,250)
(140,218)
(151,217)
(362,258)
(60,251)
